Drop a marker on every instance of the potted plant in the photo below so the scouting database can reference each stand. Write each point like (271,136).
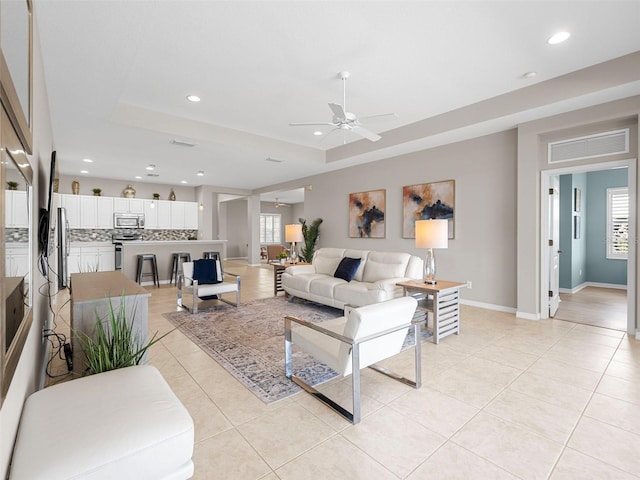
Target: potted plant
(12,185)
(156,196)
(97,192)
(114,344)
(282,256)
(310,235)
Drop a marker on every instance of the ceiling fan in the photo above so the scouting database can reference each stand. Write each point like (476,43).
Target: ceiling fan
(347,121)
(278,204)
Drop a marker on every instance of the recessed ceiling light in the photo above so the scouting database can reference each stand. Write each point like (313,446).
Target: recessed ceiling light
(558,38)
(529,74)
(87,160)
(317,133)
(84,171)
(150,167)
(193,98)
(200,173)
(183,181)
(138,177)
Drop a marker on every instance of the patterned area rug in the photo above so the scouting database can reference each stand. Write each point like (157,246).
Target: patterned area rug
(248,341)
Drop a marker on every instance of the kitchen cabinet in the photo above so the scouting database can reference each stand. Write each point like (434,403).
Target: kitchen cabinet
(16,209)
(87,258)
(17,261)
(184,215)
(96,212)
(128,205)
(164,214)
(151,214)
(71,204)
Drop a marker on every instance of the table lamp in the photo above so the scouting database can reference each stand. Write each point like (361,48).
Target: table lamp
(293,234)
(431,234)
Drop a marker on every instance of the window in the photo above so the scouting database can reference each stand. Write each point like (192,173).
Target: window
(617,222)
(270,228)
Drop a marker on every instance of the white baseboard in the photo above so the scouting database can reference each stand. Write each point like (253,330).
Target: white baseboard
(528,316)
(617,286)
(488,306)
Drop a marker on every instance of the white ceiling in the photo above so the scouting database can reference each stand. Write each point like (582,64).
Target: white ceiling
(118,72)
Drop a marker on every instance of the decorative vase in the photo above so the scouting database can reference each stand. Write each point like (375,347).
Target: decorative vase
(75,187)
(96,194)
(172,195)
(129,192)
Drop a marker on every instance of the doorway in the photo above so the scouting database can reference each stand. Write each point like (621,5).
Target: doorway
(596,302)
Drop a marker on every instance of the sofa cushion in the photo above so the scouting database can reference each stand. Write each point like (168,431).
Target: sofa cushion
(302,282)
(360,293)
(326,260)
(324,285)
(347,268)
(381,265)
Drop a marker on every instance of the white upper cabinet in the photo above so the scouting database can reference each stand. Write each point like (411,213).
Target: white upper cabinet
(16,209)
(128,205)
(85,211)
(96,212)
(71,204)
(191,216)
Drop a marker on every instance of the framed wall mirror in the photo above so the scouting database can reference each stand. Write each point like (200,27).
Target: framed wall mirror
(17,286)
(16,54)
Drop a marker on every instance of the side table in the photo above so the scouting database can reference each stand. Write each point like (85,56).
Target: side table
(278,268)
(444,304)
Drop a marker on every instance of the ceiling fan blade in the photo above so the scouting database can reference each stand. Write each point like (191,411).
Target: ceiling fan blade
(363,132)
(338,111)
(312,124)
(374,118)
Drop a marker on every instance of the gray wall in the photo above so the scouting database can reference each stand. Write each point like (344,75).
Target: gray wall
(484,248)
(237,228)
(533,139)
(29,374)
(599,268)
(573,259)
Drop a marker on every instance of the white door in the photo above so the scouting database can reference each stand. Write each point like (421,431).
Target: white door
(554,245)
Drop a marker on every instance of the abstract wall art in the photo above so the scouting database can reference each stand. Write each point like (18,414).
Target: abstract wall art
(367,214)
(428,201)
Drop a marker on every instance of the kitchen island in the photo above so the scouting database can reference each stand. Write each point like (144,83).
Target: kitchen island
(163,250)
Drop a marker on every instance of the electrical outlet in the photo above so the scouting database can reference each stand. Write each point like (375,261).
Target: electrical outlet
(469,284)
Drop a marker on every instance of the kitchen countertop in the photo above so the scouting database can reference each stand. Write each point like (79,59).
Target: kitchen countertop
(172,242)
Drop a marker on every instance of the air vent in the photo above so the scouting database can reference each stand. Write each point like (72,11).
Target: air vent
(182,143)
(274,160)
(601,144)
(153,175)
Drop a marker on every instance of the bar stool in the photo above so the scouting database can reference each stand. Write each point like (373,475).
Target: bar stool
(211,255)
(178,258)
(154,268)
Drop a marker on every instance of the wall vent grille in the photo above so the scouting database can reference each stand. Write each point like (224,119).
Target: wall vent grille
(598,145)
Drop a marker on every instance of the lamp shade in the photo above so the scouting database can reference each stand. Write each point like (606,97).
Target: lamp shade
(432,233)
(293,233)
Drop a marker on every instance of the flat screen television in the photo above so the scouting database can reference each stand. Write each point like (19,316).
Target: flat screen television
(46,215)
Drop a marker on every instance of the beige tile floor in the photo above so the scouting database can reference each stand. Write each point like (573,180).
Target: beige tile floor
(506,399)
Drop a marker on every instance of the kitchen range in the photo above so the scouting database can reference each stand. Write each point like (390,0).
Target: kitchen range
(118,239)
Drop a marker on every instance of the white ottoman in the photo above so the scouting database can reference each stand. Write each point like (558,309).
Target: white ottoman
(122,424)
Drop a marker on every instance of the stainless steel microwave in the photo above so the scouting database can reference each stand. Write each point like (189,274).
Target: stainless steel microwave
(128,220)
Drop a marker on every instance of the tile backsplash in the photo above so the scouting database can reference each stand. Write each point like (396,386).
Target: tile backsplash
(16,235)
(102,235)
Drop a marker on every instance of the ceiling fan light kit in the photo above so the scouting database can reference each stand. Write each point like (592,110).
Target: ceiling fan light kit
(347,121)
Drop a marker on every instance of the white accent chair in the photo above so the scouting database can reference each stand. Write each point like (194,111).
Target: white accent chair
(187,284)
(359,339)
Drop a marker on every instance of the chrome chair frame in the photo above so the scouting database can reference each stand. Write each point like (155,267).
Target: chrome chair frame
(355,415)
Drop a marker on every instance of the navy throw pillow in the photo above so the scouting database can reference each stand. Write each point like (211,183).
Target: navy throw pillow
(347,268)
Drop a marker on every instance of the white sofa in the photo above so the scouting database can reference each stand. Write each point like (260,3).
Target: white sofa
(374,281)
